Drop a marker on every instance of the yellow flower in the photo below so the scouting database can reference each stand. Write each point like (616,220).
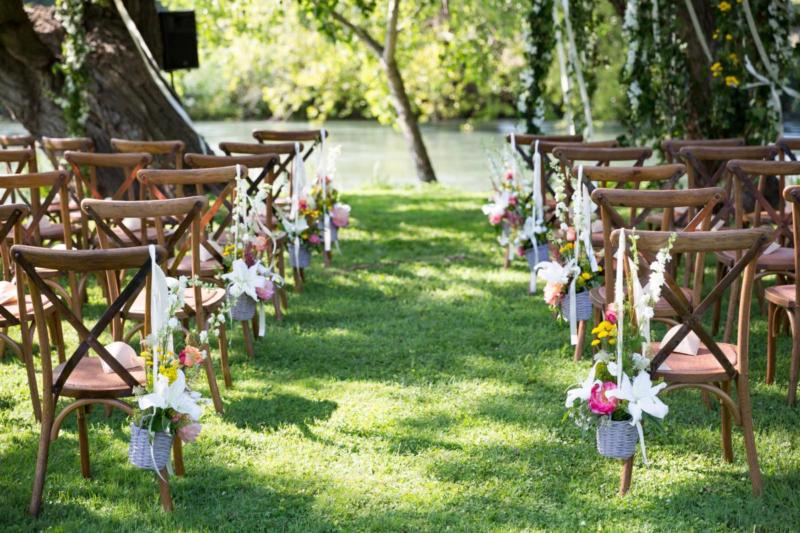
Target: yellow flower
(715,35)
(734,58)
(731,81)
(169,372)
(716,69)
(612,342)
(728,37)
(595,342)
(602,335)
(725,6)
(587,276)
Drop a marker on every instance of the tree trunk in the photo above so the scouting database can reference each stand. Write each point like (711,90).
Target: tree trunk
(124,100)
(408,122)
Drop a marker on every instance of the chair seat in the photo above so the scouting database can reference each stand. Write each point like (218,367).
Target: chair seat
(208,268)
(662,309)
(700,368)
(88,380)
(782,295)
(151,236)
(212,299)
(13,309)
(54,232)
(781,260)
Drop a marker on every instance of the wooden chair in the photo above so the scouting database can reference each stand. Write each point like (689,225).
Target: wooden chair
(37,228)
(19,160)
(570,156)
(268,163)
(213,223)
(784,298)
(55,148)
(17,141)
(717,365)
(110,215)
(285,151)
(271,137)
(170,151)
(81,377)
(671,147)
(12,314)
(787,147)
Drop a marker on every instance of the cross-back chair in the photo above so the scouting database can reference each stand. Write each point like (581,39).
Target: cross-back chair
(170,153)
(717,365)
(268,163)
(214,223)
(569,157)
(19,160)
(82,377)
(308,140)
(184,240)
(37,228)
(672,147)
(783,299)
(55,148)
(788,146)
(12,314)
(17,141)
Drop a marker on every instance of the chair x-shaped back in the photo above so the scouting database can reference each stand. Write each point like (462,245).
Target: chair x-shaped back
(672,147)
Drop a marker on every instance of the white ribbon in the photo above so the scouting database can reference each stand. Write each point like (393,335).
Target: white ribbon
(159,307)
(640,431)
(586,204)
(576,65)
(619,303)
(573,317)
(698,31)
(566,88)
(298,182)
(262,319)
(322,171)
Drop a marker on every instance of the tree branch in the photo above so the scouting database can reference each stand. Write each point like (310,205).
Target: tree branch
(360,32)
(391,30)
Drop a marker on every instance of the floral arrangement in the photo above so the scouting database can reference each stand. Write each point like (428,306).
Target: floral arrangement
(609,394)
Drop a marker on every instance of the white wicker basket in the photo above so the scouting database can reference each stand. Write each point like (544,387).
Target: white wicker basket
(140,453)
(302,260)
(616,439)
(583,306)
(544,255)
(243,307)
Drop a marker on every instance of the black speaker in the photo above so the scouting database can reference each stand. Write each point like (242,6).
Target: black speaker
(178,39)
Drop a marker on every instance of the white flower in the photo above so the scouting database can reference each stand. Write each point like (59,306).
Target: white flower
(642,397)
(243,279)
(552,272)
(602,356)
(640,362)
(175,396)
(584,391)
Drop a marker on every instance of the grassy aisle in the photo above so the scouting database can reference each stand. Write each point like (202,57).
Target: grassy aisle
(415,386)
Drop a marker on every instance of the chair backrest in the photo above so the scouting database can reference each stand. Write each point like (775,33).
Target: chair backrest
(157,184)
(127,164)
(17,141)
(55,148)
(750,179)
(19,160)
(11,217)
(787,147)
(311,137)
(610,200)
(27,188)
(571,156)
(170,151)
(29,258)
(748,243)
(671,147)
(792,195)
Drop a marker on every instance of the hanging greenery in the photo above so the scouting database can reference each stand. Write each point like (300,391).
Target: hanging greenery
(74,51)
(539,40)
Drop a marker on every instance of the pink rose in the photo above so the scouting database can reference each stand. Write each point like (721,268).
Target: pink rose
(611,315)
(340,215)
(260,243)
(302,204)
(313,238)
(509,176)
(266,291)
(520,252)
(494,219)
(189,432)
(512,200)
(599,403)
(571,235)
(552,293)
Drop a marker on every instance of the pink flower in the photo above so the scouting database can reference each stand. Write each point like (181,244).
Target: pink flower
(266,291)
(340,215)
(313,238)
(189,432)
(599,403)
(495,218)
(512,200)
(520,252)
(611,315)
(552,293)
(302,204)
(260,243)
(509,176)
(571,235)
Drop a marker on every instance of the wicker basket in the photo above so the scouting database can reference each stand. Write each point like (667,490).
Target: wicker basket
(302,260)
(140,453)
(616,439)
(583,306)
(243,308)
(544,255)
(334,229)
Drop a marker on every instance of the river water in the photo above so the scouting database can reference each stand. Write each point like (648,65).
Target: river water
(372,154)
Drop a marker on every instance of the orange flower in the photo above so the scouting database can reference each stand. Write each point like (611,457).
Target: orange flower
(191,356)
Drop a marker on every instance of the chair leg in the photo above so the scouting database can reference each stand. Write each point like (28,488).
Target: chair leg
(41,458)
(725,428)
(795,365)
(303,274)
(56,333)
(212,385)
(83,443)
(746,412)
(772,312)
(298,280)
(30,370)
(625,478)
(163,486)
(276,302)
(177,456)
(718,303)
(733,302)
(222,336)
(581,338)
(282,271)
(248,339)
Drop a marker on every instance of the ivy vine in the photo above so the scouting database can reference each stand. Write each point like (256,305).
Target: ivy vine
(539,41)
(74,51)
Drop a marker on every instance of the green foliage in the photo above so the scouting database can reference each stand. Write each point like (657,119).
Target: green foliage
(74,51)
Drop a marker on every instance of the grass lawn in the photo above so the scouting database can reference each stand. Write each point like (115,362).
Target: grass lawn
(413,387)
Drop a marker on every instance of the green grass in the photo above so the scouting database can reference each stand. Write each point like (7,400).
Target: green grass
(414,386)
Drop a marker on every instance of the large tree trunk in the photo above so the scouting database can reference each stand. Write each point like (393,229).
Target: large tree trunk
(408,122)
(124,100)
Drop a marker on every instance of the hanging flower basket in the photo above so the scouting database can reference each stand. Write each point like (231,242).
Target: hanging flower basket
(616,439)
(243,307)
(583,306)
(301,260)
(142,453)
(543,252)
(334,229)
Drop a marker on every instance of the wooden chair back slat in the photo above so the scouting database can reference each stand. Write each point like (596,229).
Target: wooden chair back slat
(55,148)
(787,147)
(173,150)
(671,147)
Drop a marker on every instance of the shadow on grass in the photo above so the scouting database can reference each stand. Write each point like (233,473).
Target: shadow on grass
(277,410)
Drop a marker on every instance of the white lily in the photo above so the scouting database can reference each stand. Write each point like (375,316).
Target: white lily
(498,205)
(174,396)
(552,272)
(642,397)
(294,228)
(243,279)
(584,391)
(532,228)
